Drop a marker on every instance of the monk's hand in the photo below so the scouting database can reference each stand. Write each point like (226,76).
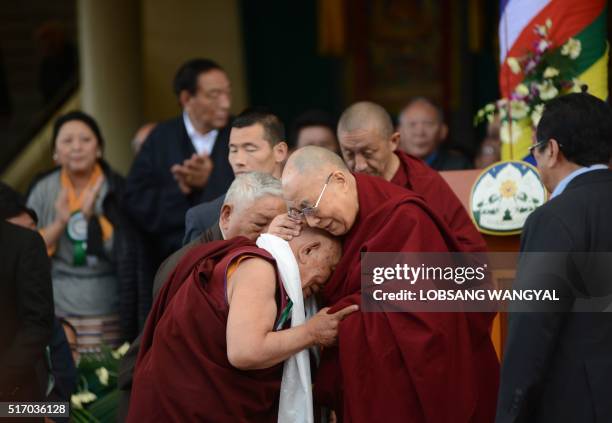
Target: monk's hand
(323,326)
(197,170)
(90,196)
(285,227)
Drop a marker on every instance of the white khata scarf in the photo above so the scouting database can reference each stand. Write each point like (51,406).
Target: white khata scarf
(295,404)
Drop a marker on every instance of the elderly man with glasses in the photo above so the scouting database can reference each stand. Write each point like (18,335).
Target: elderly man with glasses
(419,366)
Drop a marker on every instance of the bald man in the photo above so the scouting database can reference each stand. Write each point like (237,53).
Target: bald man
(395,367)
(369,145)
(422,134)
(212,350)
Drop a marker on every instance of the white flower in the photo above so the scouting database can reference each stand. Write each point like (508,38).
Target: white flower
(548,23)
(519,109)
(551,72)
(543,46)
(120,352)
(572,48)
(506,129)
(541,30)
(536,115)
(489,108)
(502,106)
(77,400)
(514,65)
(102,374)
(522,90)
(577,87)
(547,90)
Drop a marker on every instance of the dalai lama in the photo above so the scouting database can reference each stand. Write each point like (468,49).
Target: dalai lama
(391,367)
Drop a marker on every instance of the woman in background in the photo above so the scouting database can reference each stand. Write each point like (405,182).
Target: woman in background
(86,236)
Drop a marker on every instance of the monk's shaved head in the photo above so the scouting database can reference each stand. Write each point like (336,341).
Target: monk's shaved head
(366,115)
(368,141)
(314,176)
(317,253)
(313,159)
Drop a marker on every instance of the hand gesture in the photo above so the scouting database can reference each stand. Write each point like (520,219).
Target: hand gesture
(62,207)
(324,326)
(178,171)
(199,168)
(90,196)
(285,227)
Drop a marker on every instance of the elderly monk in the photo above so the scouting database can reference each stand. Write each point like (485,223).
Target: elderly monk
(392,367)
(210,351)
(369,145)
(252,201)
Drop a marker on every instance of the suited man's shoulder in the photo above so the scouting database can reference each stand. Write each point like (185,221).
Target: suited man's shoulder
(201,217)
(17,237)
(165,132)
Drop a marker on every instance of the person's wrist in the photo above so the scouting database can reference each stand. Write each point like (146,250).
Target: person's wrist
(310,329)
(62,220)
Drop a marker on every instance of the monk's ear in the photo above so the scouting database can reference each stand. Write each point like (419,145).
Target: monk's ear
(281,151)
(341,177)
(224,219)
(395,139)
(307,250)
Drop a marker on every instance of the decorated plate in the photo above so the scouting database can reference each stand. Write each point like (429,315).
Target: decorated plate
(504,195)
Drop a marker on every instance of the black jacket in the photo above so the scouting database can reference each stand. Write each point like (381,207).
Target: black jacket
(26,312)
(450,160)
(557,366)
(152,197)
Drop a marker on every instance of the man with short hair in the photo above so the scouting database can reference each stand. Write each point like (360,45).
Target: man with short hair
(184,160)
(557,364)
(256,144)
(422,133)
(413,367)
(252,201)
(369,145)
(315,127)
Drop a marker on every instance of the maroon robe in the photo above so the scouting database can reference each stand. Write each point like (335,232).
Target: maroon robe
(182,373)
(415,175)
(403,367)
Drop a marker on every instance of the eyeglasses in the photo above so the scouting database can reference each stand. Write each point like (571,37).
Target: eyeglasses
(539,143)
(536,145)
(312,210)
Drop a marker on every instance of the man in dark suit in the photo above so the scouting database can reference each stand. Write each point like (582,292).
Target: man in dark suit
(183,162)
(26,305)
(557,365)
(256,144)
(252,202)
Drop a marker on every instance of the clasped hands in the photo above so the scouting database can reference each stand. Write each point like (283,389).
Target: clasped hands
(193,173)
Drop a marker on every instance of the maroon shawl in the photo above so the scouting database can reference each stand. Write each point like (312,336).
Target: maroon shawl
(403,367)
(182,372)
(415,175)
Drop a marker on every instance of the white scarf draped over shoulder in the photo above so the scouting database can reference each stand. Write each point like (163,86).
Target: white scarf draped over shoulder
(295,404)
